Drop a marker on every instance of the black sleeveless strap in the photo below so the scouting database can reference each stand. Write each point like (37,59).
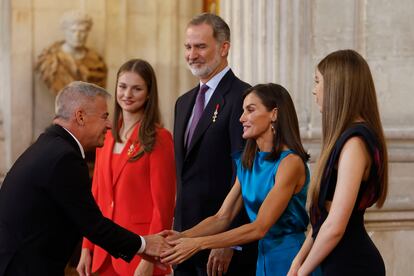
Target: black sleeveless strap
(369,192)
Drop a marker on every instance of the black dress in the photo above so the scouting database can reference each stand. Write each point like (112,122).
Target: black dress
(355,253)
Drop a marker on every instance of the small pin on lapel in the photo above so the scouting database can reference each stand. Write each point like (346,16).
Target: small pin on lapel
(216,113)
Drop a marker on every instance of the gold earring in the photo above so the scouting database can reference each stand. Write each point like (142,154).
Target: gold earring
(273,129)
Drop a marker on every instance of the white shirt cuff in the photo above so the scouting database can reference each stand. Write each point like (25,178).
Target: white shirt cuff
(143,245)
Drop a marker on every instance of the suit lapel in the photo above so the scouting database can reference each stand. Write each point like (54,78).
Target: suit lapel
(124,155)
(216,101)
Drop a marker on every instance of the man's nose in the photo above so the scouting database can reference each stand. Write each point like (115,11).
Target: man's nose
(192,53)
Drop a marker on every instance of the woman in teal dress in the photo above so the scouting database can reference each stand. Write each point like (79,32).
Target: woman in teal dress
(272,181)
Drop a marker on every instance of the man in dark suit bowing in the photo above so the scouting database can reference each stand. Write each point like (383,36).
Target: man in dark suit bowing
(206,132)
(45,202)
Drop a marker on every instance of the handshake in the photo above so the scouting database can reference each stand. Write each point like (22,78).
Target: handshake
(169,247)
(159,249)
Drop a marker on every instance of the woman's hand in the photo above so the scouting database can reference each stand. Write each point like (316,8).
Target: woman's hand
(85,262)
(144,268)
(183,248)
(219,261)
(301,272)
(171,235)
(293,271)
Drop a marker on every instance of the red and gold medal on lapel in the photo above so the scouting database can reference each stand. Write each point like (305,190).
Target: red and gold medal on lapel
(216,113)
(131,149)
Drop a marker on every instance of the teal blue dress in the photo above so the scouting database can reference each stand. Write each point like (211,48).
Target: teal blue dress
(279,246)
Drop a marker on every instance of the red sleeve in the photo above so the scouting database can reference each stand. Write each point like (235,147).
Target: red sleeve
(162,181)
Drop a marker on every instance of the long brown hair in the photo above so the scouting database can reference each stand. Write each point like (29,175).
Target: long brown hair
(151,119)
(286,125)
(348,94)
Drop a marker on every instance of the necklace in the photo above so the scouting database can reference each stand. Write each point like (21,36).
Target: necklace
(125,136)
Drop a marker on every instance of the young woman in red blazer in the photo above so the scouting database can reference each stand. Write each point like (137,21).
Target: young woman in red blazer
(134,177)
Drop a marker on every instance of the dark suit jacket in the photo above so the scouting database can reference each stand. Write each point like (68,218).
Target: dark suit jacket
(46,206)
(205,170)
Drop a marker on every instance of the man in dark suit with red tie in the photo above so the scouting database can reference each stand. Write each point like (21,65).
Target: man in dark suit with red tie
(206,132)
(46,204)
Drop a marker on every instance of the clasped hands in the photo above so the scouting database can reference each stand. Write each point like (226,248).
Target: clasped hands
(155,245)
(182,248)
(174,248)
(169,247)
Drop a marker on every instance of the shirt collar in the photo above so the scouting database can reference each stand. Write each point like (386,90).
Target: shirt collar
(214,81)
(77,141)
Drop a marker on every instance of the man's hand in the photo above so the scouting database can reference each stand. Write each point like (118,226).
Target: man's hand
(155,245)
(85,261)
(219,261)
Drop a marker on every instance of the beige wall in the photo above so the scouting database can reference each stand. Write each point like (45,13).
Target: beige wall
(272,40)
(16,102)
(4,19)
(281,41)
(123,29)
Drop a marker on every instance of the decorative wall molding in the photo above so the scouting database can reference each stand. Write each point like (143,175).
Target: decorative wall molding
(400,142)
(391,133)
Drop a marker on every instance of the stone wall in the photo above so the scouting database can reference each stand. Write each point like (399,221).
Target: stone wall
(282,41)
(122,29)
(2,153)
(4,81)
(272,41)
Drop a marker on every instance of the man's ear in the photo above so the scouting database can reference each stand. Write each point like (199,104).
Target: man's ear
(224,49)
(80,117)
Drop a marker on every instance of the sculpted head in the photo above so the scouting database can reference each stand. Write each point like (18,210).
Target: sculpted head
(76,26)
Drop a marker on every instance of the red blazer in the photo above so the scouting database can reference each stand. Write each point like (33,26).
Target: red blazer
(138,195)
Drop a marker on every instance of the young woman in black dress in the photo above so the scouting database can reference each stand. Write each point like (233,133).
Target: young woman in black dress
(351,174)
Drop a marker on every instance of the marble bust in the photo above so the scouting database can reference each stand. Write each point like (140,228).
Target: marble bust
(69,60)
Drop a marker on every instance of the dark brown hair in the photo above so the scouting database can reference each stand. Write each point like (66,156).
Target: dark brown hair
(348,94)
(221,31)
(151,119)
(286,125)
